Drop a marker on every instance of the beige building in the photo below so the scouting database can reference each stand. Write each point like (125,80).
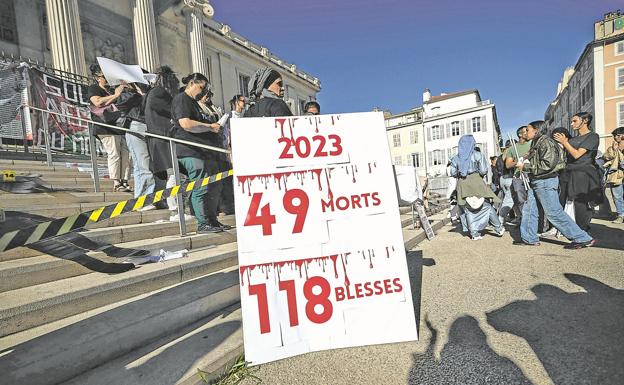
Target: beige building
(406,140)
(596,83)
(70,34)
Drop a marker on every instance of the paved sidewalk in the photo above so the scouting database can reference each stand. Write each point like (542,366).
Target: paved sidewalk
(494,313)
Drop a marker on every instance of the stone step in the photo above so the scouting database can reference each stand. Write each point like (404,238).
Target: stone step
(63,209)
(196,317)
(32,306)
(20,200)
(171,242)
(208,345)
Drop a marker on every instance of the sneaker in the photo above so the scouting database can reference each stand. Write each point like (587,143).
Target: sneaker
(477,238)
(147,208)
(176,218)
(523,243)
(550,233)
(501,232)
(207,229)
(619,219)
(223,226)
(580,245)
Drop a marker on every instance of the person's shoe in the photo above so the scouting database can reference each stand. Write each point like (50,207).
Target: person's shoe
(550,233)
(477,238)
(176,218)
(207,229)
(619,219)
(118,187)
(223,226)
(580,245)
(147,208)
(501,232)
(523,243)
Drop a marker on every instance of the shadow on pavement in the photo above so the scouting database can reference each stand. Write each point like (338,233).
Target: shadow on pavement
(466,359)
(578,337)
(415,263)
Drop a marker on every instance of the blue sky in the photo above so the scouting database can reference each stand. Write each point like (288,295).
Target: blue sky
(371,53)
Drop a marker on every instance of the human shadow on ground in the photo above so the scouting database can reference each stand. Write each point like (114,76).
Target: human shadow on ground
(466,359)
(415,263)
(578,337)
(73,246)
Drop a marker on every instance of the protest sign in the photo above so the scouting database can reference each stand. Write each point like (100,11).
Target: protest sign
(116,72)
(320,245)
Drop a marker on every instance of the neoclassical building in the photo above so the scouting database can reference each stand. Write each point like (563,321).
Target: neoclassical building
(69,34)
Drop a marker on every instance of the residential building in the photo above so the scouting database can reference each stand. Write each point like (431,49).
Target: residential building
(406,139)
(68,35)
(596,83)
(449,116)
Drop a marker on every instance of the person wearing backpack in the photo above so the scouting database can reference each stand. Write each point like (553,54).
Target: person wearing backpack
(581,181)
(542,163)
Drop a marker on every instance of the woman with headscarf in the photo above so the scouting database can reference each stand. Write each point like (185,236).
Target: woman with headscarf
(266,93)
(581,181)
(469,166)
(542,163)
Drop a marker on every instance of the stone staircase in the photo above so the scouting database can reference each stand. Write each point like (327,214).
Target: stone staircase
(73,311)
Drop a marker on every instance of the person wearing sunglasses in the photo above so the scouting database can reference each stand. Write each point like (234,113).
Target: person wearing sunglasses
(266,93)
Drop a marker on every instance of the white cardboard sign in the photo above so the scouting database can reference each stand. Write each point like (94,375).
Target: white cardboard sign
(320,246)
(116,72)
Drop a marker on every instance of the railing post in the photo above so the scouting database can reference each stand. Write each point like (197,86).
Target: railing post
(24,111)
(46,134)
(94,163)
(179,197)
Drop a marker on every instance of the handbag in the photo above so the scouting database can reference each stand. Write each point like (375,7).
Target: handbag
(107,114)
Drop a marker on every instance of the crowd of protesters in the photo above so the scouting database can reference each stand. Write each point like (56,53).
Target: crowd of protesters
(547,182)
(185,113)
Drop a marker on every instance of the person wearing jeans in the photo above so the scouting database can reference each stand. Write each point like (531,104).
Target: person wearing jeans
(543,162)
(137,146)
(614,165)
(547,192)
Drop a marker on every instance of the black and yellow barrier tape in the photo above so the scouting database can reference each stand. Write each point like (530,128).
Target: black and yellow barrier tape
(22,237)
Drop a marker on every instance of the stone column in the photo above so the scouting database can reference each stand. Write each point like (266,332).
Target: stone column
(66,36)
(195,11)
(144,26)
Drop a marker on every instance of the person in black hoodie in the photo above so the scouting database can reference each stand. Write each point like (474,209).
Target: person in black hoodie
(266,92)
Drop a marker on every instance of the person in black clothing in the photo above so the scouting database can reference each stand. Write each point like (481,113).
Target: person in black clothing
(266,90)
(158,120)
(581,181)
(102,103)
(190,124)
(312,108)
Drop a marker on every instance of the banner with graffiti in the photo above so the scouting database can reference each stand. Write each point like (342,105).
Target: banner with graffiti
(13,93)
(56,94)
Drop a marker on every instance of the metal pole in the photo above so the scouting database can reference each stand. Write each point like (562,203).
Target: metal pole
(94,163)
(23,114)
(180,199)
(46,134)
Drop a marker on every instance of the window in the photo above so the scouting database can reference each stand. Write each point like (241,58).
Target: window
(413,136)
(410,160)
(454,128)
(302,104)
(396,140)
(438,157)
(436,132)
(417,159)
(243,84)
(476,124)
(397,161)
(8,26)
(619,48)
(620,114)
(619,78)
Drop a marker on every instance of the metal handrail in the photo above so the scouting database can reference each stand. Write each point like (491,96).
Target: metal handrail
(93,153)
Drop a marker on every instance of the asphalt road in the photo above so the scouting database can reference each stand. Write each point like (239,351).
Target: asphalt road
(494,313)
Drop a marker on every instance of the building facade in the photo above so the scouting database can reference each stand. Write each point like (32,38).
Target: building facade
(596,83)
(406,140)
(427,137)
(70,34)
